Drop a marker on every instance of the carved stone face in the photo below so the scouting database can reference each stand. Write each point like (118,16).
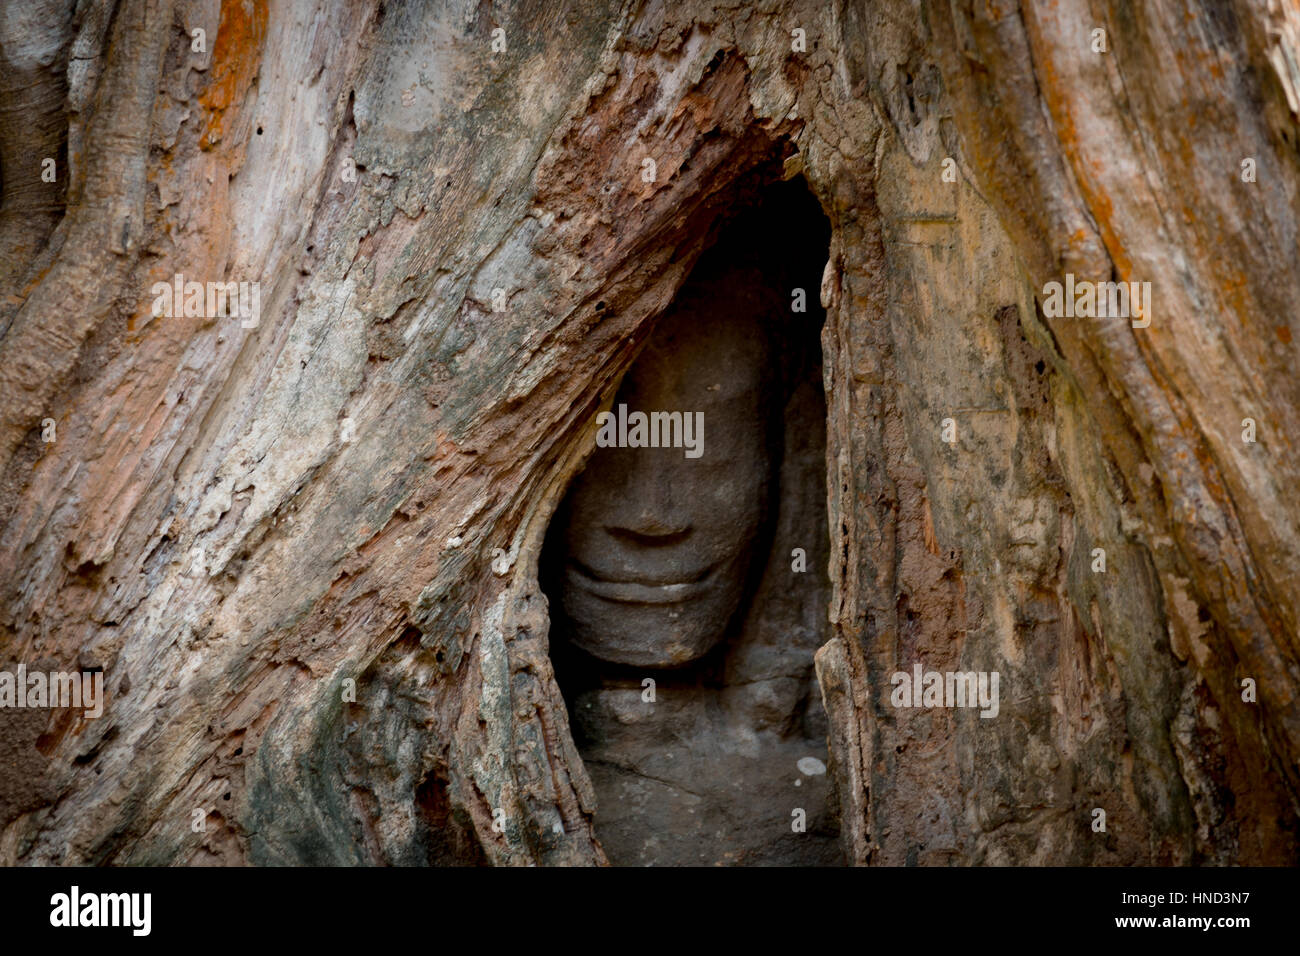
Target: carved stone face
(658,545)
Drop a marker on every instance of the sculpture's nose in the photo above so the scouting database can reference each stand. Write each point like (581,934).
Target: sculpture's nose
(649,530)
(656,506)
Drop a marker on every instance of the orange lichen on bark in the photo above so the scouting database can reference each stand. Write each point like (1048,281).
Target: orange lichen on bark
(236,59)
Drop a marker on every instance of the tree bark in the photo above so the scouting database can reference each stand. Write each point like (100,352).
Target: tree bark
(305,554)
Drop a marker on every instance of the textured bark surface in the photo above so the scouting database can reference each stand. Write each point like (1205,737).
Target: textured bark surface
(234,523)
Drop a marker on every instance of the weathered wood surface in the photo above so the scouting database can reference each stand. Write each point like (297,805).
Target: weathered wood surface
(233,522)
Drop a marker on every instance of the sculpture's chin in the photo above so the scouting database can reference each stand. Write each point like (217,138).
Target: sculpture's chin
(655,634)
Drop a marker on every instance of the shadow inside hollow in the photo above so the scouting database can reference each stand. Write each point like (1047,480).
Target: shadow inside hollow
(687,582)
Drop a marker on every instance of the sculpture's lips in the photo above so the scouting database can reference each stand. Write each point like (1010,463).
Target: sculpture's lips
(680,587)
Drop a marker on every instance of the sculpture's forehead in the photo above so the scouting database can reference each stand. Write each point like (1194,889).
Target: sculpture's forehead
(706,354)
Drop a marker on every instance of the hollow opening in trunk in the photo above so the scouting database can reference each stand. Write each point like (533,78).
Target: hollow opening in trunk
(686,569)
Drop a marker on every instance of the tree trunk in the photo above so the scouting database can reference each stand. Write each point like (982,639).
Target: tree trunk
(304,550)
